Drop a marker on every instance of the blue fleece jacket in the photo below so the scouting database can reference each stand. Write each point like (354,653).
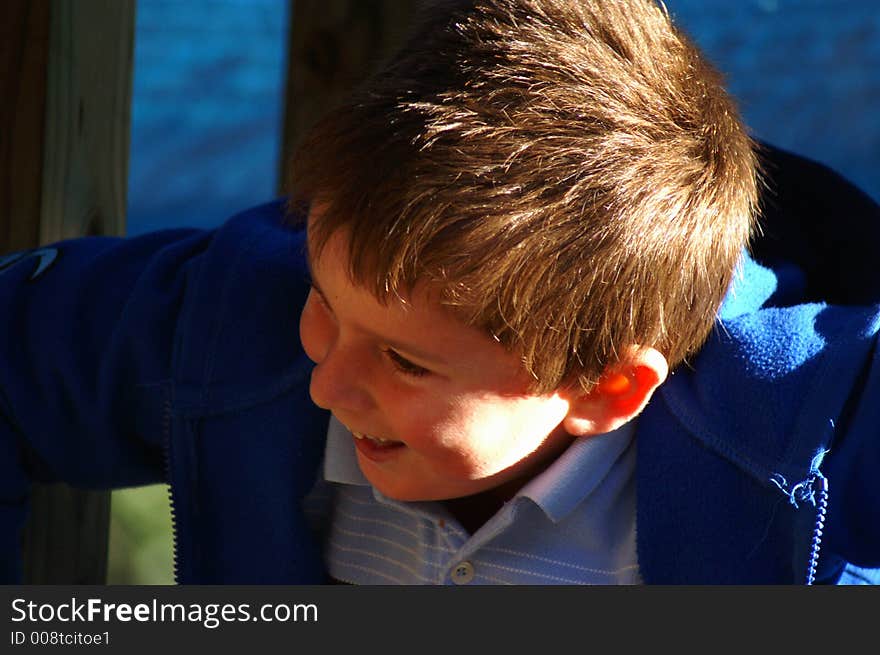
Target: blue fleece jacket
(174,357)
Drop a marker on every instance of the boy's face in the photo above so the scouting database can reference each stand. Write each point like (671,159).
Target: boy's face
(446,410)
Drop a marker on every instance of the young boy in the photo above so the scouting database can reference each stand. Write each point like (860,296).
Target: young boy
(532,346)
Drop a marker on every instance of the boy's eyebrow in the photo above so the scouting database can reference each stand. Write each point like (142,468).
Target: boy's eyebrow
(313,281)
(397,346)
(311,270)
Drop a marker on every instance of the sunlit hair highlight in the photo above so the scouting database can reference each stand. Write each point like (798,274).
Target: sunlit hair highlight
(569,176)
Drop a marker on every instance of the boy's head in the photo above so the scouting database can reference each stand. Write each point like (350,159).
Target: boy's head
(566,177)
(569,174)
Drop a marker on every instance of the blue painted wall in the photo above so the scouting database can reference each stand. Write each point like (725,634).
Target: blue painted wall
(207,109)
(208,88)
(806,73)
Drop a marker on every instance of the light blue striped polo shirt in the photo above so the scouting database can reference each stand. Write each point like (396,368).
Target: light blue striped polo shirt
(572,524)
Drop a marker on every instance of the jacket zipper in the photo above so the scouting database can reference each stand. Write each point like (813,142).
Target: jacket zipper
(172,506)
(821,510)
(813,490)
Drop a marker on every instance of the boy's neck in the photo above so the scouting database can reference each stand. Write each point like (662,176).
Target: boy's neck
(472,512)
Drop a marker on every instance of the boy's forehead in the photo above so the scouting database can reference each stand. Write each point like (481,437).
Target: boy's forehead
(332,260)
(417,323)
(331,250)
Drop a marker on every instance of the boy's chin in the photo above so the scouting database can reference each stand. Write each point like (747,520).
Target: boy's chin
(410,493)
(419,489)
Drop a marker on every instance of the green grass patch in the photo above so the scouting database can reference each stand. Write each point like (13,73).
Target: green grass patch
(140,549)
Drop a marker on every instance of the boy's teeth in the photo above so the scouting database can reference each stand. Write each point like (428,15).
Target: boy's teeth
(361,435)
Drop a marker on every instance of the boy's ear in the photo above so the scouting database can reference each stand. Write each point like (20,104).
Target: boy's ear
(621,393)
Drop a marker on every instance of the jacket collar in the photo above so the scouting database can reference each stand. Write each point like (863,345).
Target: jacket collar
(759,391)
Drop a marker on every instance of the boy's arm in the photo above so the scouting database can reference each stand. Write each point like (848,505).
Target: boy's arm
(86,342)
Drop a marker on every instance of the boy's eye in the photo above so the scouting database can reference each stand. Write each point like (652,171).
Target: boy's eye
(403,365)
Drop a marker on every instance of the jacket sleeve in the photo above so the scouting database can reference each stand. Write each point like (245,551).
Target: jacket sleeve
(87,331)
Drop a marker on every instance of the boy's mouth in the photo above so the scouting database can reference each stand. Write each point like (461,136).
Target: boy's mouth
(379,441)
(376,449)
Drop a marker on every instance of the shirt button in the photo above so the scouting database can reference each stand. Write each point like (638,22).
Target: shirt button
(463,573)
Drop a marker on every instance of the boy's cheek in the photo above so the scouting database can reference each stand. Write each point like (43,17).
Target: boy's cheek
(460,445)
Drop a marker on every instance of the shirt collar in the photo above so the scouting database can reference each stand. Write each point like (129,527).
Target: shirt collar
(557,490)
(340,457)
(576,473)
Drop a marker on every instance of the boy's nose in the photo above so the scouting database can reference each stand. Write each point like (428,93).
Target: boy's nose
(337,383)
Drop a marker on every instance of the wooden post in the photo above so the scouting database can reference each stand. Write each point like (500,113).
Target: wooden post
(333,45)
(24,36)
(65,77)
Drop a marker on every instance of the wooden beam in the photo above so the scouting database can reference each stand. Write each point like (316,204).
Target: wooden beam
(333,45)
(65,540)
(24,37)
(88,118)
(65,76)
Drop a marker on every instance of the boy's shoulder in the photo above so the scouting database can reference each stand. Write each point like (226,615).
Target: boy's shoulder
(775,376)
(245,296)
(796,328)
